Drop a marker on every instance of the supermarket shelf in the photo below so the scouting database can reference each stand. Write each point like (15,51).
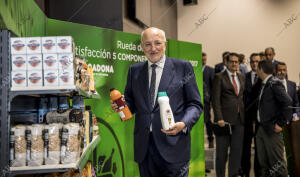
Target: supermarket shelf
(59,167)
(50,90)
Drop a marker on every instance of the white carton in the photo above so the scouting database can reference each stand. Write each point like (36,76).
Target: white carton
(50,77)
(66,78)
(33,45)
(49,45)
(50,61)
(34,62)
(18,45)
(65,61)
(18,79)
(19,63)
(35,78)
(64,44)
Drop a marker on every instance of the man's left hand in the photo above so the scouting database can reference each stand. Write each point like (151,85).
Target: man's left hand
(176,128)
(277,128)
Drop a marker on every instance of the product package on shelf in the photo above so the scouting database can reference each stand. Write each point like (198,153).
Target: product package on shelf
(18,159)
(65,61)
(50,61)
(52,151)
(70,143)
(64,44)
(36,156)
(35,78)
(82,76)
(51,77)
(19,62)
(65,77)
(60,116)
(33,45)
(19,78)
(18,45)
(49,44)
(34,62)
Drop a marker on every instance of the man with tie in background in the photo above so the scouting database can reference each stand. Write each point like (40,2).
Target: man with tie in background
(228,106)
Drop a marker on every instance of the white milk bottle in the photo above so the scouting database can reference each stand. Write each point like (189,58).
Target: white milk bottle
(166,115)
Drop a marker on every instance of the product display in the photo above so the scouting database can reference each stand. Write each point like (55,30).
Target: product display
(19,62)
(35,62)
(53,149)
(19,146)
(19,78)
(124,111)
(166,114)
(33,45)
(50,61)
(71,142)
(18,45)
(51,77)
(49,45)
(35,78)
(64,44)
(37,145)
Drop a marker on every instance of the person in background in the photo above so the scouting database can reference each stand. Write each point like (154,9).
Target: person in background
(250,97)
(220,67)
(228,106)
(243,67)
(272,114)
(262,55)
(291,89)
(159,152)
(270,54)
(208,76)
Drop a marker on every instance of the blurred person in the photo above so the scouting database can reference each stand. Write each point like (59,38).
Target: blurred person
(228,106)
(270,54)
(272,115)
(220,67)
(208,76)
(243,67)
(290,88)
(250,97)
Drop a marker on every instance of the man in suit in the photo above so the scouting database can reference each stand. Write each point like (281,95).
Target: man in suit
(220,67)
(228,106)
(250,115)
(272,115)
(290,88)
(270,54)
(208,76)
(158,152)
(243,67)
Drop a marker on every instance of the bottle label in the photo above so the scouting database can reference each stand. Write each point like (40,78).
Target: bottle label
(122,115)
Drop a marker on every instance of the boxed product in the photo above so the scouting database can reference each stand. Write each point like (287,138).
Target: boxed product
(17,45)
(50,61)
(65,61)
(66,78)
(33,45)
(19,79)
(49,45)
(34,62)
(19,62)
(50,77)
(64,44)
(35,78)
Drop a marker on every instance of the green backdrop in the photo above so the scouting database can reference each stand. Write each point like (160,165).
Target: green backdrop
(110,53)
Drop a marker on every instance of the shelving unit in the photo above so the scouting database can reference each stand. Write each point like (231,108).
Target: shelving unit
(80,164)
(7,96)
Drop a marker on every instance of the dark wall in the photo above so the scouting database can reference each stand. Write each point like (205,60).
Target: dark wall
(101,13)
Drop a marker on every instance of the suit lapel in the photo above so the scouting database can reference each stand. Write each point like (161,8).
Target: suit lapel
(166,78)
(225,75)
(144,83)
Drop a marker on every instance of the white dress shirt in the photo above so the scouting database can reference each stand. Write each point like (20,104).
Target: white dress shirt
(284,82)
(235,78)
(253,73)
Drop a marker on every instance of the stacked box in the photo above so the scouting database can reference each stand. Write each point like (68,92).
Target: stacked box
(18,45)
(35,78)
(49,45)
(51,77)
(64,44)
(19,62)
(19,78)
(66,78)
(33,45)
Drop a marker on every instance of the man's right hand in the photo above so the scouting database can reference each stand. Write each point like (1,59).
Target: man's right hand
(114,106)
(221,123)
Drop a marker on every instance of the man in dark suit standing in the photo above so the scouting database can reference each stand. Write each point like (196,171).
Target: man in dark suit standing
(250,97)
(272,115)
(228,106)
(162,153)
(220,67)
(290,88)
(208,76)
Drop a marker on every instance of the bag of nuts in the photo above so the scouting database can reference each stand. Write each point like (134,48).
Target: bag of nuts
(19,146)
(37,145)
(52,143)
(70,146)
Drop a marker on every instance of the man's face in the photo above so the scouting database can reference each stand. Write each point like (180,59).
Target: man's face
(153,44)
(233,64)
(254,63)
(204,59)
(270,55)
(281,71)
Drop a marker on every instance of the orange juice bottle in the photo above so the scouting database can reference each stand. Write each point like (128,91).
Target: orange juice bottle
(124,111)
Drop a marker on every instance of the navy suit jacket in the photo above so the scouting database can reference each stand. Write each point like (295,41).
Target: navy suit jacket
(249,99)
(219,67)
(291,89)
(178,80)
